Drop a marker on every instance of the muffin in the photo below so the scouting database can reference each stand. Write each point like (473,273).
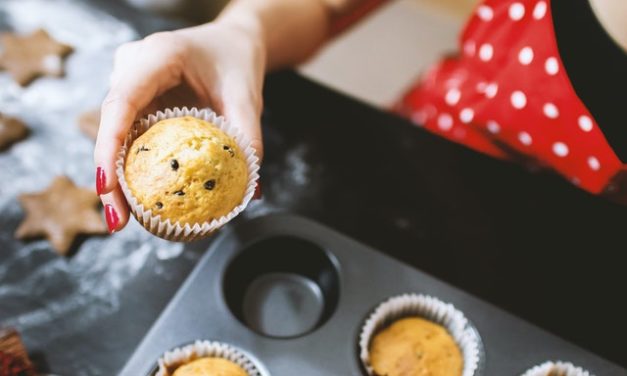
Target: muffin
(186,170)
(415,346)
(210,367)
(206,358)
(419,335)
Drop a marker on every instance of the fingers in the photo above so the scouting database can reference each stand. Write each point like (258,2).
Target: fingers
(143,71)
(116,209)
(242,107)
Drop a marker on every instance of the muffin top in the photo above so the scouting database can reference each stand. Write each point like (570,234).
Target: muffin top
(414,346)
(187,170)
(210,367)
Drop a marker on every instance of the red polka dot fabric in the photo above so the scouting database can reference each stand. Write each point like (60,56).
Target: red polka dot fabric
(508,95)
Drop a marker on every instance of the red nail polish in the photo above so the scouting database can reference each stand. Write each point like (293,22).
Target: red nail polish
(112,218)
(258,194)
(101,180)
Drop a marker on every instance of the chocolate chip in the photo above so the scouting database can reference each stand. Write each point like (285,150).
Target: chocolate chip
(174,164)
(142,148)
(179,193)
(159,205)
(210,184)
(228,148)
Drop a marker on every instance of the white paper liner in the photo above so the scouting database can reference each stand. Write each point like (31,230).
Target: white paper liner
(557,369)
(202,349)
(176,231)
(429,308)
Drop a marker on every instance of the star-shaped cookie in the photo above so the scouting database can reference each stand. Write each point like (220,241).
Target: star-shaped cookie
(89,122)
(11,130)
(27,57)
(60,213)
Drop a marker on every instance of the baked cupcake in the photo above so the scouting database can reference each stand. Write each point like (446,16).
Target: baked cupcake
(414,335)
(557,369)
(210,367)
(186,173)
(206,358)
(415,346)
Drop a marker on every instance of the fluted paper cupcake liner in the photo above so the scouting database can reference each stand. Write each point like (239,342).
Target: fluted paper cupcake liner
(557,369)
(180,356)
(177,231)
(430,308)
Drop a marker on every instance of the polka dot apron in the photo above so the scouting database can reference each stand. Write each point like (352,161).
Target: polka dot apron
(508,95)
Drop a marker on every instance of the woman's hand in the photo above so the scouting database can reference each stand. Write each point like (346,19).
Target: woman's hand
(220,65)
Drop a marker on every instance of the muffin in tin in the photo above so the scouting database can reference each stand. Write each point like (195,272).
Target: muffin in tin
(415,334)
(206,358)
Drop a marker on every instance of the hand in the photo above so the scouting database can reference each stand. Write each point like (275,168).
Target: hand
(219,65)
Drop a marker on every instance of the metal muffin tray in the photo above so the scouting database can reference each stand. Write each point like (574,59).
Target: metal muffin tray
(294,294)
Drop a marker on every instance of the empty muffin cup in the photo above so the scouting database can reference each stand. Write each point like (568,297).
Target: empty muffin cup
(557,369)
(149,216)
(433,311)
(179,357)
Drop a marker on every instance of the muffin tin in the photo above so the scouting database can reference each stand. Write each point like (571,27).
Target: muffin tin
(293,295)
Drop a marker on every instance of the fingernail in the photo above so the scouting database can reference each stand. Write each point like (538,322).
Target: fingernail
(112,218)
(101,180)
(258,194)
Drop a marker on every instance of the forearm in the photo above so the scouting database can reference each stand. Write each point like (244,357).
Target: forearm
(289,30)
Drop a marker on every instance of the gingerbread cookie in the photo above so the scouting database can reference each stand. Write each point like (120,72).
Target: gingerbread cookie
(11,130)
(60,213)
(89,122)
(14,359)
(27,57)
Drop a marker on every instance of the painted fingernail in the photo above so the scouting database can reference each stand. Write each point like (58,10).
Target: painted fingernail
(258,194)
(101,180)
(112,218)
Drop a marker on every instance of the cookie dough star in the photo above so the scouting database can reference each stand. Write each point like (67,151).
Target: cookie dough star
(27,57)
(11,130)
(60,213)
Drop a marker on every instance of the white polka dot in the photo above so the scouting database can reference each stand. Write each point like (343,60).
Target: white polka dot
(445,122)
(485,13)
(551,66)
(585,123)
(525,56)
(452,96)
(518,99)
(470,48)
(466,115)
(486,51)
(540,10)
(516,11)
(481,85)
(419,117)
(524,138)
(594,163)
(491,90)
(493,127)
(551,111)
(560,149)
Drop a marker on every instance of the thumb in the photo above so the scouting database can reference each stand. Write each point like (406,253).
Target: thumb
(242,108)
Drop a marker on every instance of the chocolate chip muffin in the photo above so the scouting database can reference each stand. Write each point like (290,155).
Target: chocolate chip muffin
(210,367)
(186,170)
(414,346)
